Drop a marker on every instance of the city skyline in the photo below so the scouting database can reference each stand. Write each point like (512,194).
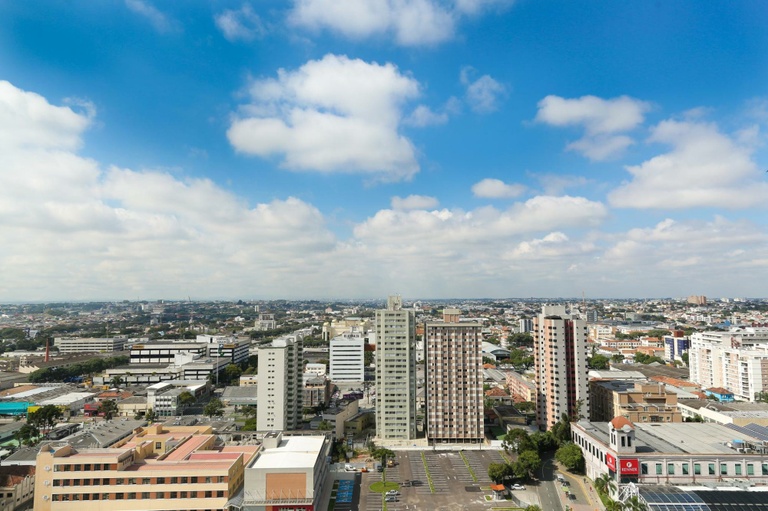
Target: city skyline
(312,148)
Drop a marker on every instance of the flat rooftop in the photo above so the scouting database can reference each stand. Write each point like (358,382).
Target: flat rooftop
(677,438)
(293,452)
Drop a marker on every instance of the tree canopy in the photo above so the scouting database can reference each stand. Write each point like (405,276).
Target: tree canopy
(571,457)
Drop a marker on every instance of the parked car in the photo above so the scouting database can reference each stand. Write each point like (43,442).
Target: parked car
(349,468)
(390,498)
(518,487)
(394,493)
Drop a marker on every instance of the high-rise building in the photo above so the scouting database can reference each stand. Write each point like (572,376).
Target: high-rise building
(280,384)
(348,357)
(454,379)
(560,359)
(395,372)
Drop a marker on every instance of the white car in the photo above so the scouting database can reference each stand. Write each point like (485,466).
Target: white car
(518,487)
(393,493)
(349,468)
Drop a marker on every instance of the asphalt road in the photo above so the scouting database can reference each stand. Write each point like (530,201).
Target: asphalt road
(548,488)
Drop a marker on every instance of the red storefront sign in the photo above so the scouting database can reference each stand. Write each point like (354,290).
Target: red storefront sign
(629,467)
(611,462)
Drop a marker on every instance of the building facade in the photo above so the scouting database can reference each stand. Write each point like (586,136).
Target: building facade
(454,380)
(89,344)
(280,389)
(395,372)
(560,364)
(347,357)
(638,401)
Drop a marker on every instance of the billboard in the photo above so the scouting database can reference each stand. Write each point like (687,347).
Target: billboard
(610,461)
(629,467)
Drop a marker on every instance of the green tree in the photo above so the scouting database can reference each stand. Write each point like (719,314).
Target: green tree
(186,399)
(45,418)
(499,472)
(249,411)
(684,358)
(528,462)
(532,507)
(324,425)
(634,504)
(617,358)
(544,441)
(232,373)
(525,406)
(214,408)
(250,425)
(27,434)
(150,416)
(562,430)
(108,408)
(605,484)
(517,440)
(571,457)
(117,381)
(598,362)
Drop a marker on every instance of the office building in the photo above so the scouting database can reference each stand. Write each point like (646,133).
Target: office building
(347,357)
(454,380)
(280,389)
(638,401)
(560,364)
(395,372)
(89,344)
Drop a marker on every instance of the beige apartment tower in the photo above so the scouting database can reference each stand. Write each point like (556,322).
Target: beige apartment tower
(454,380)
(280,386)
(560,360)
(395,372)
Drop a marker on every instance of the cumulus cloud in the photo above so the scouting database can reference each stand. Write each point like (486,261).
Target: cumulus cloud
(705,168)
(414,202)
(240,25)
(423,116)
(604,122)
(335,114)
(157,19)
(409,22)
(496,189)
(483,94)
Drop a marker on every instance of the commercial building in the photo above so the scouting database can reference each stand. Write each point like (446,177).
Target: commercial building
(173,468)
(347,357)
(454,379)
(676,345)
(736,360)
(226,348)
(164,397)
(560,364)
(287,474)
(17,487)
(395,372)
(687,453)
(638,401)
(89,344)
(280,384)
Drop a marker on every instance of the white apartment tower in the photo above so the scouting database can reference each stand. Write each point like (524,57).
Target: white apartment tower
(279,392)
(454,379)
(395,372)
(560,363)
(348,357)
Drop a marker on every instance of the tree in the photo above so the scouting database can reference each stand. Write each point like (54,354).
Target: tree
(532,507)
(324,425)
(605,484)
(186,399)
(571,457)
(598,362)
(617,358)
(684,358)
(525,406)
(528,462)
(232,372)
(108,408)
(117,381)
(544,441)
(214,408)
(150,416)
(26,434)
(499,472)
(249,411)
(633,504)
(517,440)
(562,430)
(45,418)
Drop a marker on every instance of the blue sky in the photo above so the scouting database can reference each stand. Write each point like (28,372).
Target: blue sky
(343,149)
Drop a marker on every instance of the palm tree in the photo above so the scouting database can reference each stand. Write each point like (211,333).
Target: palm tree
(605,484)
(614,505)
(634,504)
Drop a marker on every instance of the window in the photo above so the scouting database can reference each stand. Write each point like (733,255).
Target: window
(711,469)
(658,469)
(685,469)
(750,469)
(738,469)
(765,469)
(145,495)
(723,469)
(644,468)
(670,469)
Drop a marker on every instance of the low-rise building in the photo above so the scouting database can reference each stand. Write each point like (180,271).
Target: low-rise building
(638,401)
(17,486)
(89,344)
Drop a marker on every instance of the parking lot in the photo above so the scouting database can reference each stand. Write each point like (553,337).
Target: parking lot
(439,481)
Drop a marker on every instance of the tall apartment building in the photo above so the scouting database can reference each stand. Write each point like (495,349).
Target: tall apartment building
(347,354)
(736,360)
(560,362)
(395,372)
(280,384)
(454,379)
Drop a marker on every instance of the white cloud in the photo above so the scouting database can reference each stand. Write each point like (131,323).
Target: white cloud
(483,94)
(602,119)
(496,189)
(331,115)
(423,116)
(414,202)
(409,22)
(705,168)
(240,25)
(556,184)
(157,19)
